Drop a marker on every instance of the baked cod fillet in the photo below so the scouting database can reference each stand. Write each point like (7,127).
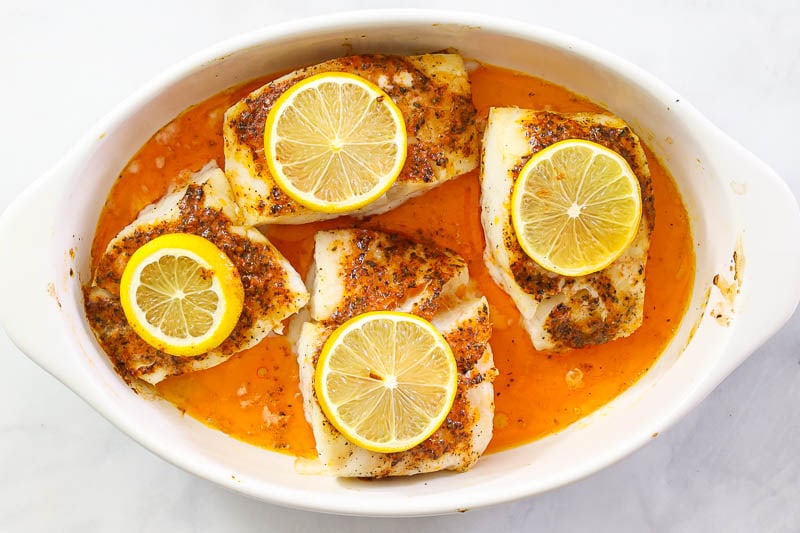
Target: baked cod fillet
(351,267)
(432,91)
(273,290)
(561,312)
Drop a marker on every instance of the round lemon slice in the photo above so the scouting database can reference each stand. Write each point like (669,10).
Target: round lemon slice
(386,380)
(335,142)
(575,207)
(181,294)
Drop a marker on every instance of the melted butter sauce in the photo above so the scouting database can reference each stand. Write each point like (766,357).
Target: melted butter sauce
(254,396)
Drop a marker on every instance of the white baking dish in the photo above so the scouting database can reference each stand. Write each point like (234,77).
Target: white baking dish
(736,203)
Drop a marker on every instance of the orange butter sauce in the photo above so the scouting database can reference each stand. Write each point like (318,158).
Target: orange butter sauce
(254,396)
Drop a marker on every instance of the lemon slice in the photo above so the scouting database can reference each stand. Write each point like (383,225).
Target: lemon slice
(576,206)
(335,142)
(386,380)
(181,294)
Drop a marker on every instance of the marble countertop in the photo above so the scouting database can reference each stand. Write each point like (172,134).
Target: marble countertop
(732,464)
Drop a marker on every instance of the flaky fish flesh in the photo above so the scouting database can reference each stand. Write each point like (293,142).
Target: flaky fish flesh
(561,312)
(360,270)
(433,93)
(273,290)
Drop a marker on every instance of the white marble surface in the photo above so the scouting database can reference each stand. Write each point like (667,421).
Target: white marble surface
(733,464)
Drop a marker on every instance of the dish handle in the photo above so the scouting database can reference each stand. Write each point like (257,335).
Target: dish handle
(769,270)
(29,306)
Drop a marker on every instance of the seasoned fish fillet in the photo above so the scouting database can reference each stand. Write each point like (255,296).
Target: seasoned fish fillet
(356,271)
(433,93)
(273,290)
(561,312)
(361,270)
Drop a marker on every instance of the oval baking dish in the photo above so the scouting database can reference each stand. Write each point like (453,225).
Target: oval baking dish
(735,203)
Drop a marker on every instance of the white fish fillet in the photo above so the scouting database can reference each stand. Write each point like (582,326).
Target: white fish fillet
(560,312)
(433,93)
(460,315)
(356,271)
(205,206)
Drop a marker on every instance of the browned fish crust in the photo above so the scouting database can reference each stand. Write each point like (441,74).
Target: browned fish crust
(589,326)
(262,278)
(386,268)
